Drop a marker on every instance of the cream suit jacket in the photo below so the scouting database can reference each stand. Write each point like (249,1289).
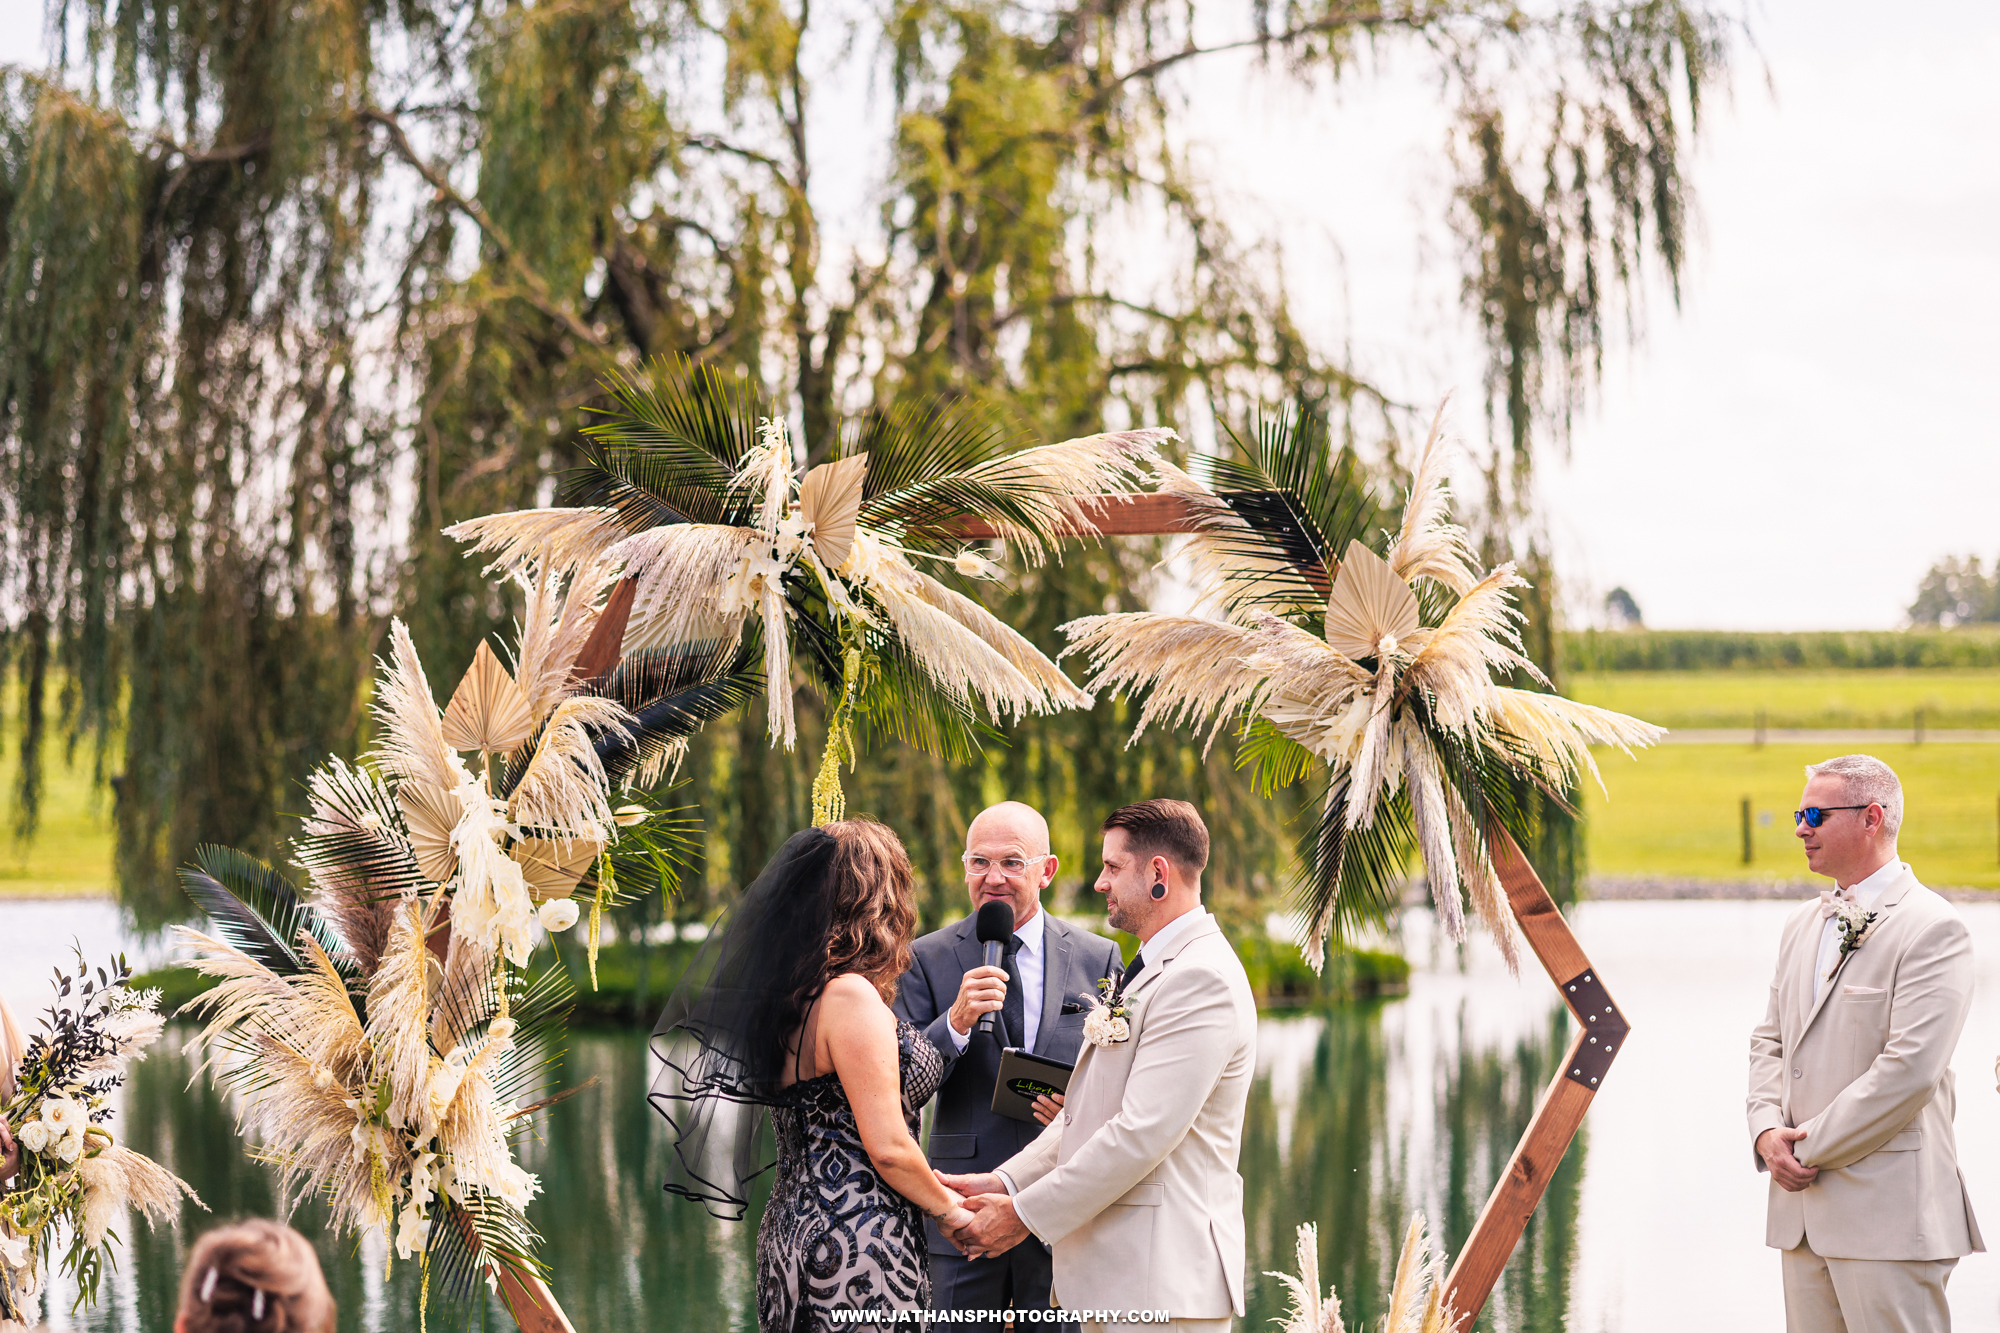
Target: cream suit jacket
(1134,1186)
(1867,1073)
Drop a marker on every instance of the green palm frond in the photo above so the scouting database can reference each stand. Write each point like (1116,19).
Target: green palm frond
(912,452)
(1276,760)
(255,909)
(1303,497)
(1352,879)
(463,1238)
(541,1016)
(669,448)
(671,695)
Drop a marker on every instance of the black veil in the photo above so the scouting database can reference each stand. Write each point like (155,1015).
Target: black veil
(721,1038)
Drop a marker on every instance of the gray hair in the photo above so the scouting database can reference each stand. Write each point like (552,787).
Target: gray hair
(1867,779)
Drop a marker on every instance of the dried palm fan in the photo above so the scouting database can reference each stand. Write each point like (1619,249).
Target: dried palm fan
(385,1049)
(1380,669)
(694,505)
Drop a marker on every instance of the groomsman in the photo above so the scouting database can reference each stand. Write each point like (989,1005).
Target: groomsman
(1038,992)
(1851,1093)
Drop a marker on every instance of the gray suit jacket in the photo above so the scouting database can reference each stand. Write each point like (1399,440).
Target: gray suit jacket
(1866,1071)
(966,1136)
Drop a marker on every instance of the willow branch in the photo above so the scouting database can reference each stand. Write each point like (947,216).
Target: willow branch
(536,290)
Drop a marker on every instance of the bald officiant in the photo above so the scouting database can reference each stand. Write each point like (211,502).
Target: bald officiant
(1037,997)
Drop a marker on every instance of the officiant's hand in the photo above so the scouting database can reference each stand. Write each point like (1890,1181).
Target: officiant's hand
(981,991)
(1775,1147)
(995,1228)
(1048,1106)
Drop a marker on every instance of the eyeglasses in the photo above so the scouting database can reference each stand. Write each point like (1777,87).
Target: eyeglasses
(1012,867)
(1815,815)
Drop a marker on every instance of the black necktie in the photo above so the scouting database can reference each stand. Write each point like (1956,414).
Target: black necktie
(1010,1009)
(1131,974)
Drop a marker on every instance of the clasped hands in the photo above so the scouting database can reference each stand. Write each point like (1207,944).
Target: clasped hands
(1775,1147)
(983,1223)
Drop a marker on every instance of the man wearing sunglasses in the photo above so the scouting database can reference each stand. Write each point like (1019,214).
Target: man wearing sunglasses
(1036,997)
(1851,1093)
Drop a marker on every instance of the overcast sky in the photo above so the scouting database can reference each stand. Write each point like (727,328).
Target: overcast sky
(1796,444)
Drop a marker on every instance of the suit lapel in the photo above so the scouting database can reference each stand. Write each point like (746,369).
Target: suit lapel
(1891,896)
(1055,976)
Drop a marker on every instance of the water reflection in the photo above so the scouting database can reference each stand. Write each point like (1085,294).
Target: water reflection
(1332,1137)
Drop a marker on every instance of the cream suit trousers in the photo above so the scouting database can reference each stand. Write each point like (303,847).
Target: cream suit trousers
(1865,1295)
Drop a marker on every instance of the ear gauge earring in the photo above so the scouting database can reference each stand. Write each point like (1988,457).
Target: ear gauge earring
(1159,889)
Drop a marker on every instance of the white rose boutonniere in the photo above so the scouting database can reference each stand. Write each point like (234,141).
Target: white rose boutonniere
(1109,1022)
(1855,926)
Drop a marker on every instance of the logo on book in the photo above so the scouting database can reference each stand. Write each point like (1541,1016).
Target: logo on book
(1031,1088)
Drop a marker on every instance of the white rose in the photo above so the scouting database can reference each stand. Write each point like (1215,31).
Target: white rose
(60,1113)
(70,1148)
(35,1137)
(1097,1027)
(1120,1030)
(558,914)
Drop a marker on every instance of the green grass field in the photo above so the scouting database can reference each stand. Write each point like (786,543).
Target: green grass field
(1675,812)
(1805,699)
(71,854)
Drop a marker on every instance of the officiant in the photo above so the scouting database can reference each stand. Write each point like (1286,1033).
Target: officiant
(1037,997)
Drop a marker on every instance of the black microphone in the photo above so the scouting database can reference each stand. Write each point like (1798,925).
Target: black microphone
(995,927)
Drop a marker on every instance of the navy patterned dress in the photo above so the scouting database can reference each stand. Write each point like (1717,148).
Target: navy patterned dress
(835,1236)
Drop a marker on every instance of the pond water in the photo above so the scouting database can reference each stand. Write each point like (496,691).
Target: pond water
(1359,1116)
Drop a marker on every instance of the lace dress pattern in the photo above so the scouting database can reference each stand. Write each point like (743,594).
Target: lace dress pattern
(835,1236)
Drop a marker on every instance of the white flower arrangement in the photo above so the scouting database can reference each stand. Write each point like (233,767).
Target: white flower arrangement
(75,1179)
(1109,1022)
(1856,925)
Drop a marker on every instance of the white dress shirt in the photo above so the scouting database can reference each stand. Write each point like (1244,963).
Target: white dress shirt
(1029,961)
(1164,937)
(1867,893)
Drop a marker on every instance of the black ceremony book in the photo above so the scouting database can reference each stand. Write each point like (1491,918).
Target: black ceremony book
(1025,1076)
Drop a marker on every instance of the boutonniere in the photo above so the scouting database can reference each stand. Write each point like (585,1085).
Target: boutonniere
(1109,1022)
(1855,926)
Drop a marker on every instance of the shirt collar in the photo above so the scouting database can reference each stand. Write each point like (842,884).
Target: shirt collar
(1869,891)
(1030,932)
(1167,934)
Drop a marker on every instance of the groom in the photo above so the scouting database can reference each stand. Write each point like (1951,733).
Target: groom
(1134,1185)
(1851,1094)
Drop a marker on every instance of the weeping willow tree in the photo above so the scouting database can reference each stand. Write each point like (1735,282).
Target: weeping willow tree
(288,286)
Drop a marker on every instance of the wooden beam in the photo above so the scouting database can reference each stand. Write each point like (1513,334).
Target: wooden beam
(1110,516)
(1600,1034)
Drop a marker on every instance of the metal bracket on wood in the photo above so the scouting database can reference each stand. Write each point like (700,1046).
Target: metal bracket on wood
(1601,1031)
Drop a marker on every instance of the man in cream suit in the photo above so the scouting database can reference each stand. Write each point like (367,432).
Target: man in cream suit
(1134,1185)
(1851,1094)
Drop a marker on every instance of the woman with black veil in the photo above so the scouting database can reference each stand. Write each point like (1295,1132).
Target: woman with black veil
(786,1008)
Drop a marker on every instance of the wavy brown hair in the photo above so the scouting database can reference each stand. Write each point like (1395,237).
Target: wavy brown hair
(871,906)
(255,1277)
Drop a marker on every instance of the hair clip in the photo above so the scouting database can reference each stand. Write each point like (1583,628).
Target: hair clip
(257,1303)
(208,1287)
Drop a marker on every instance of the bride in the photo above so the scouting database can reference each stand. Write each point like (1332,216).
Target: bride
(786,1008)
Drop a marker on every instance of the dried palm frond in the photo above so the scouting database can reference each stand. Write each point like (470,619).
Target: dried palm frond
(1309,1313)
(681,573)
(556,622)
(562,789)
(488,711)
(1396,693)
(115,1178)
(412,743)
(1060,488)
(1417,1301)
(561,540)
(1429,545)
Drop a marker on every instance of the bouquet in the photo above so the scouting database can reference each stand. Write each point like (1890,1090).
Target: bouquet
(75,1178)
